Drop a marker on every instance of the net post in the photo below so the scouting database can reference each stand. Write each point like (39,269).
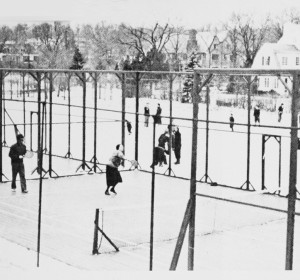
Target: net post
(95,243)
(181,236)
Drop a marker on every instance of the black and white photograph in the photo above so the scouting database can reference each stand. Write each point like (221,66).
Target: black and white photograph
(144,136)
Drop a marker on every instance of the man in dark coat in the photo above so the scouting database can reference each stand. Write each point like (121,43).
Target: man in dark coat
(160,150)
(256,115)
(177,145)
(280,111)
(231,121)
(146,114)
(158,114)
(16,153)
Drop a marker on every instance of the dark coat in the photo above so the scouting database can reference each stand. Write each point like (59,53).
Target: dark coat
(15,151)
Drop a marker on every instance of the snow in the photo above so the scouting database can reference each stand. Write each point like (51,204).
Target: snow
(224,239)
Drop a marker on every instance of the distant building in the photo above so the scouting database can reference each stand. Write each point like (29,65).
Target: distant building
(285,54)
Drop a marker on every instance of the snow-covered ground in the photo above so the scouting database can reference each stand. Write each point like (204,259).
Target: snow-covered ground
(228,236)
(231,237)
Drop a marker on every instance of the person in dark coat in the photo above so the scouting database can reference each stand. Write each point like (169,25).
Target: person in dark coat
(113,176)
(129,126)
(146,114)
(16,153)
(177,145)
(280,111)
(159,151)
(158,114)
(231,120)
(256,115)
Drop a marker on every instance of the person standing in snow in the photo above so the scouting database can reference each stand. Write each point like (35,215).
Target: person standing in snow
(16,153)
(158,114)
(256,115)
(146,114)
(177,145)
(280,111)
(231,120)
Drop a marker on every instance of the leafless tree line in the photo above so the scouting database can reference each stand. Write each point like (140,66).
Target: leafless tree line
(104,45)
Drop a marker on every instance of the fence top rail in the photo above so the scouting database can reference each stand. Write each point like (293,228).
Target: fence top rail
(227,71)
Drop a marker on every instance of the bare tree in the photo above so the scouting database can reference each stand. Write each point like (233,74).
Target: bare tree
(246,37)
(56,47)
(174,47)
(292,15)
(6,34)
(101,45)
(144,40)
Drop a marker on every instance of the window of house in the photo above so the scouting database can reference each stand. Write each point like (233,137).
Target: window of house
(275,83)
(225,57)
(215,57)
(26,58)
(267,81)
(262,61)
(284,60)
(268,61)
(215,46)
(297,60)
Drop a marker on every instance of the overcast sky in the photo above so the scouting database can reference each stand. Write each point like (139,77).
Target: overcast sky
(189,13)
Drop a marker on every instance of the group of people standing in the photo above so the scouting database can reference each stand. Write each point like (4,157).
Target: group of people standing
(157,116)
(256,114)
(163,147)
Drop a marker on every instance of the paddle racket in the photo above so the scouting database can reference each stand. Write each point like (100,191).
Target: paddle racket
(29,154)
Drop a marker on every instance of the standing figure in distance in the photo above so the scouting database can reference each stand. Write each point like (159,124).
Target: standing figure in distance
(158,114)
(177,145)
(231,120)
(256,114)
(280,111)
(129,126)
(146,114)
(16,153)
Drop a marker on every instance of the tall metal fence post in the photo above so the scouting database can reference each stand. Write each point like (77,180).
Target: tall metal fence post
(191,240)
(170,123)
(24,104)
(137,117)
(123,107)
(152,198)
(50,121)
(295,109)
(1,100)
(95,121)
(83,119)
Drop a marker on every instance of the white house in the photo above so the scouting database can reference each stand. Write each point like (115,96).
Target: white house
(285,54)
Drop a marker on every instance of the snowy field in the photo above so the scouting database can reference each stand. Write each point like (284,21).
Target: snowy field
(229,236)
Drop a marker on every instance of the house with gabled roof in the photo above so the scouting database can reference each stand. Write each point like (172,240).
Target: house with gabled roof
(285,54)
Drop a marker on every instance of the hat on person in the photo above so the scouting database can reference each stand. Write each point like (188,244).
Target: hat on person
(20,136)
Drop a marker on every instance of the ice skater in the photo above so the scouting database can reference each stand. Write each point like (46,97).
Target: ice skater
(256,115)
(280,111)
(17,153)
(113,176)
(231,120)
